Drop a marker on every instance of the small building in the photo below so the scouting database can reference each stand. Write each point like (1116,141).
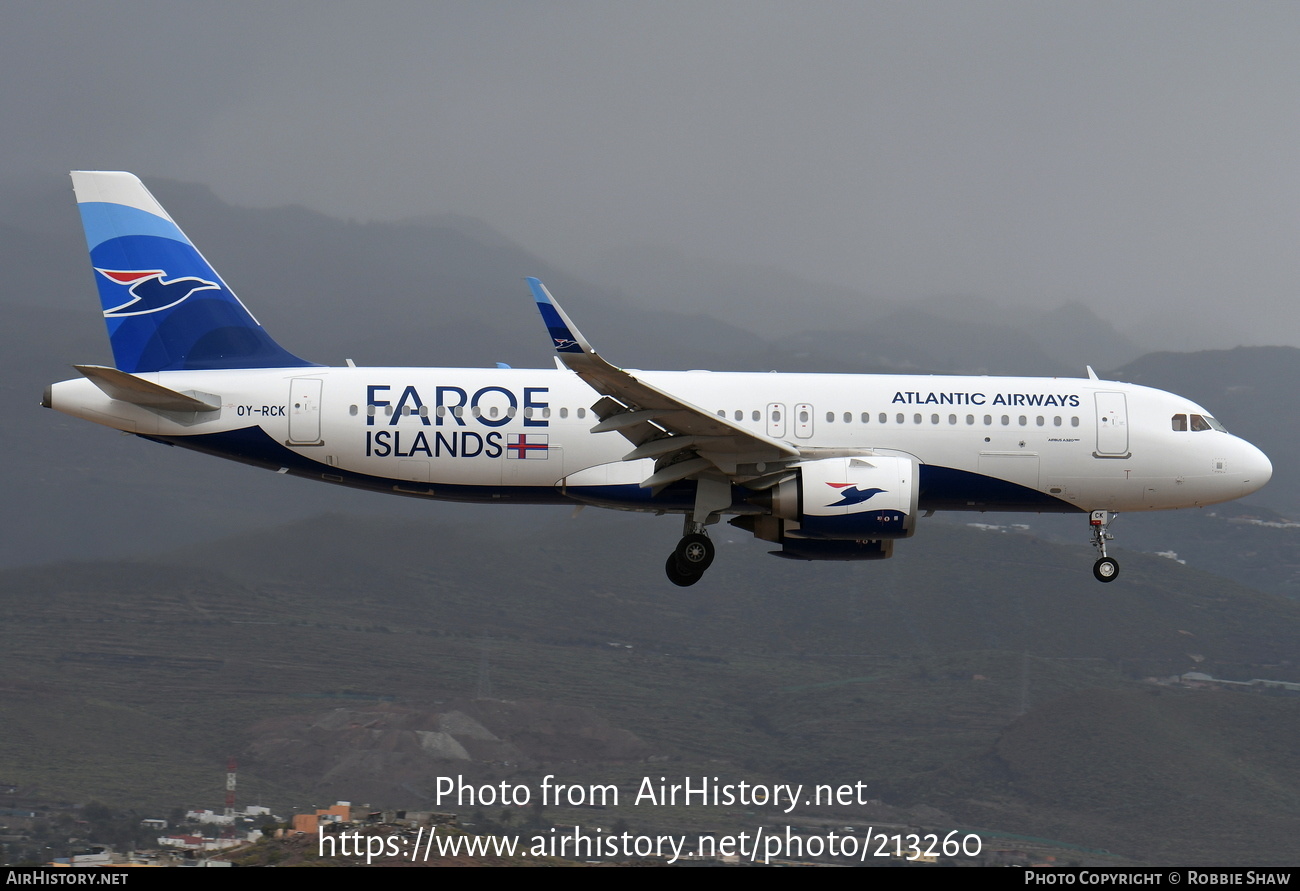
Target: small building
(309,824)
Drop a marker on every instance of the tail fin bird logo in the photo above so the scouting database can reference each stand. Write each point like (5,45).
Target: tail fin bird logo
(150,291)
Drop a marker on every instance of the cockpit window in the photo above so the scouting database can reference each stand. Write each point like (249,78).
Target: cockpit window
(1180,422)
(1205,422)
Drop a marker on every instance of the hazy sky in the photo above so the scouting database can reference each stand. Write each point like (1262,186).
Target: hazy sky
(1141,157)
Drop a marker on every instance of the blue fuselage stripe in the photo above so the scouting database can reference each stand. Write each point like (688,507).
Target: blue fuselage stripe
(942,488)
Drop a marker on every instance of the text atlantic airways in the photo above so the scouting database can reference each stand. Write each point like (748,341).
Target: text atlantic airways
(826,467)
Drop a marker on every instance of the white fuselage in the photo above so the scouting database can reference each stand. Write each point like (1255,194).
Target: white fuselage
(524,434)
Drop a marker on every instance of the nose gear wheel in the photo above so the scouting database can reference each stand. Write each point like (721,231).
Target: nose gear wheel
(1105,569)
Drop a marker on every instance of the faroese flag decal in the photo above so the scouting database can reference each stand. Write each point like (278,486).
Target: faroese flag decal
(528,446)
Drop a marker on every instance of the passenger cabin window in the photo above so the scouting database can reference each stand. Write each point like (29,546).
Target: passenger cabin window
(1180,423)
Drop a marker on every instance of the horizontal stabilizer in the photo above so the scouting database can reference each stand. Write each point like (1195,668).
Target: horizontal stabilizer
(138,391)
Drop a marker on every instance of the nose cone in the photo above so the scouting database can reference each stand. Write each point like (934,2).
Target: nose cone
(1256,469)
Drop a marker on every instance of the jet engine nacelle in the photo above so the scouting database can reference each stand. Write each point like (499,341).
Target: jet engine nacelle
(870,498)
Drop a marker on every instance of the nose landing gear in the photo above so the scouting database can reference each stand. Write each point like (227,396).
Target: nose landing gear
(1106,569)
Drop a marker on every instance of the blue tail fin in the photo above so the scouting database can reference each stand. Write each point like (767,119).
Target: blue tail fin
(166,308)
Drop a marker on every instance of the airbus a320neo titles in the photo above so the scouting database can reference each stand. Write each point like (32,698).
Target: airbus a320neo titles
(825,466)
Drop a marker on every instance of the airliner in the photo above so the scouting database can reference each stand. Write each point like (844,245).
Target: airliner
(823,466)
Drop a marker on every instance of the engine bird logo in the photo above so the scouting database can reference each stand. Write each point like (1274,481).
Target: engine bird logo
(150,292)
(850,494)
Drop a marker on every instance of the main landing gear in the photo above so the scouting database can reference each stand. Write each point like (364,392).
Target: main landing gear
(1106,569)
(693,555)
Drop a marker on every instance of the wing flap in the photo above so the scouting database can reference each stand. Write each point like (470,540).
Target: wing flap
(668,444)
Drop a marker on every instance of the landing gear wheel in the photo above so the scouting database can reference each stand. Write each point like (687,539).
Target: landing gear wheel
(676,576)
(1106,569)
(694,553)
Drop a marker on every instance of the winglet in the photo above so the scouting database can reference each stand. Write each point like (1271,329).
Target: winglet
(564,334)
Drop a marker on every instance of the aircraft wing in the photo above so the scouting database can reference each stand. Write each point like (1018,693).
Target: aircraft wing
(685,440)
